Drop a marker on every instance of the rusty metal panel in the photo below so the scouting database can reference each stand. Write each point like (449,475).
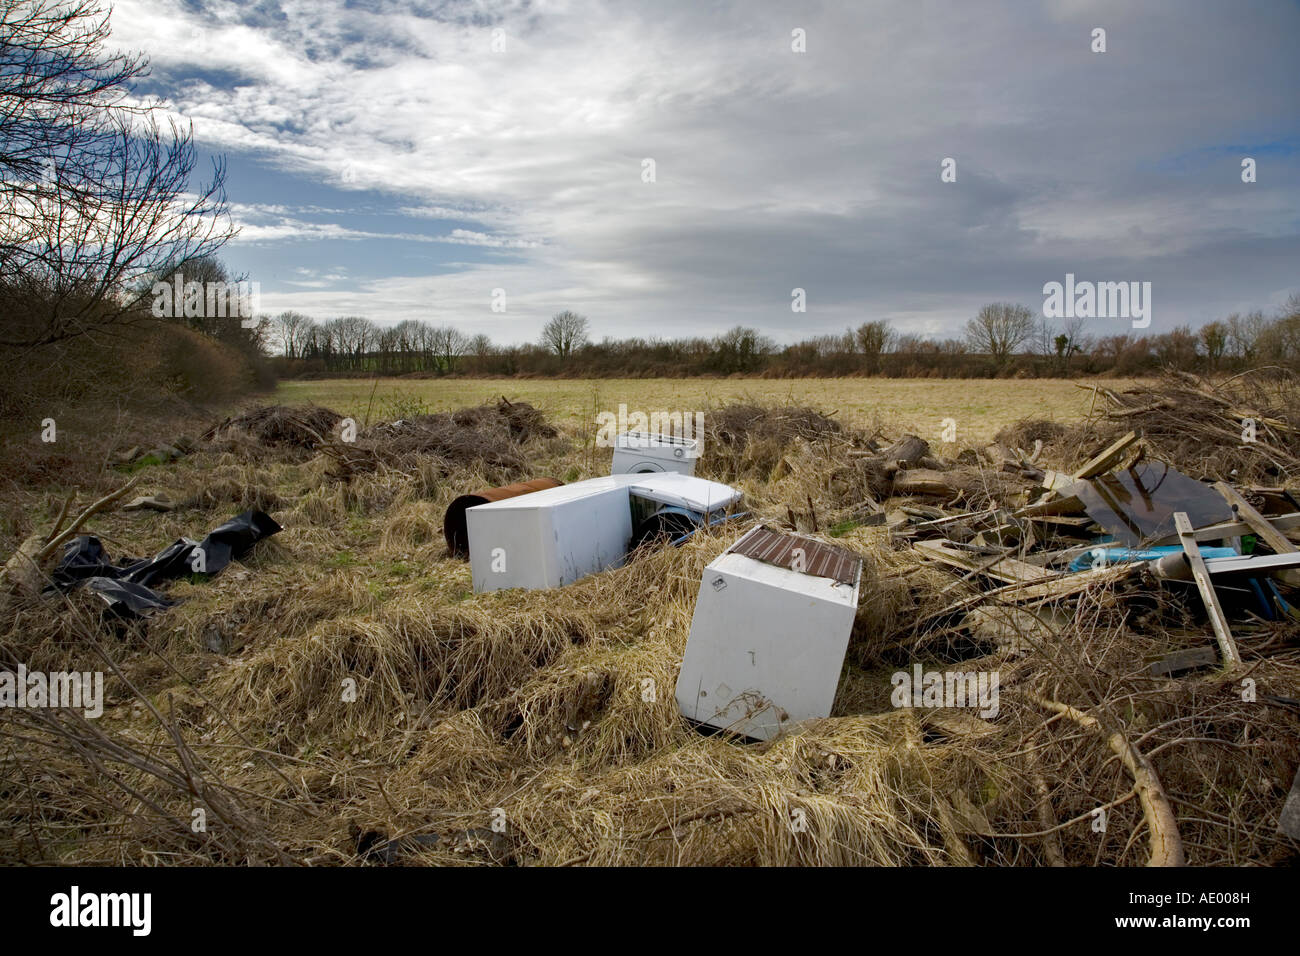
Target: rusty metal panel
(453,522)
(819,559)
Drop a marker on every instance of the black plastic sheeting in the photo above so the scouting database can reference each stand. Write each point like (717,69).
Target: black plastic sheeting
(128,588)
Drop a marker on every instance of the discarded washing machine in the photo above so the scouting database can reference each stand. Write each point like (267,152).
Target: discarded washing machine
(645,452)
(771,626)
(670,507)
(555,536)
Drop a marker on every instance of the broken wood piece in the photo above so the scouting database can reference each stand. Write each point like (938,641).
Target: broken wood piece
(1002,567)
(1060,587)
(1140,409)
(149,502)
(1055,480)
(1106,459)
(1231,529)
(1178,662)
(1064,505)
(1223,633)
(1275,539)
(1289,822)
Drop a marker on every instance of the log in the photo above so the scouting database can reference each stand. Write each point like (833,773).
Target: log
(924,482)
(909,450)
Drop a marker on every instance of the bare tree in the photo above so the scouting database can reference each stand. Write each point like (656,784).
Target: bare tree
(292,330)
(999,330)
(1214,342)
(874,339)
(742,349)
(565,333)
(95,195)
(350,338)
(449,344)
(1244,334)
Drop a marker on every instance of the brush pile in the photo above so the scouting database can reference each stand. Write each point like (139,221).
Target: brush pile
(369,709)
(1243,429)
(497,437)
(304,426)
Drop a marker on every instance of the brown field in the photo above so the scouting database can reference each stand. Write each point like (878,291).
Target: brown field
(516,727)
(979,406)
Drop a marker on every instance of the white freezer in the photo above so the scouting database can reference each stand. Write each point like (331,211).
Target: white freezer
(766,645)
(553,537)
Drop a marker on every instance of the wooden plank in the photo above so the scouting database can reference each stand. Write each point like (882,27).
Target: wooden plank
(1107,459)
(1055,480)
(1258,523)
(1223,633)
(1059,587)
(970,516)
(1176,662)
(1001,567)
(1055,506)
(1275,539)
(1232,529)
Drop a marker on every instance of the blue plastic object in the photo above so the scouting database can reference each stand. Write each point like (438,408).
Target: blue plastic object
(1102,557)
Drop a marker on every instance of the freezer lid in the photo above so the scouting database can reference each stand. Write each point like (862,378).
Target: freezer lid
(550,497)
(685,491)
(795,552)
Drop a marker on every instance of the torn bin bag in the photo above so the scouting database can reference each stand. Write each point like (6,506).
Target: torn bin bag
(128,599)
(128,586)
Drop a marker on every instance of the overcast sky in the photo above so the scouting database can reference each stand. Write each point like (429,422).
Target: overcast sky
(390,159)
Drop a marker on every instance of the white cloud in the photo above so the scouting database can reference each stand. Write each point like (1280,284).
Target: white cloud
(773,169)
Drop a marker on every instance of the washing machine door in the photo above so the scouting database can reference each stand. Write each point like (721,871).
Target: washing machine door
(644,467)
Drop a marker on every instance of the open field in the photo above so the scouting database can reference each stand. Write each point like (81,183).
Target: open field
(979,406)
(342,696)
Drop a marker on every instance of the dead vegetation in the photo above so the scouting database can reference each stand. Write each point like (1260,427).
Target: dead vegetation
(342,697)
(305,427)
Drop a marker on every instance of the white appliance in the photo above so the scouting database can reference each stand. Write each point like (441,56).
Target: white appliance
(643,452)
(553,537)
(683,491)
(767,641)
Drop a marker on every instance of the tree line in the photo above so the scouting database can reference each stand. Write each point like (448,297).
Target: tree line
(1002,339)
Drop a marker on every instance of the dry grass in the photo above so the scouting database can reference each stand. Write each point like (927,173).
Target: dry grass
(920,406)
(540,728)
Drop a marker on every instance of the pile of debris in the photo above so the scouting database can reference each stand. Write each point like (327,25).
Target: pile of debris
(744,440)
(1243,429)
(490,435)
(1118,514)
(303,426)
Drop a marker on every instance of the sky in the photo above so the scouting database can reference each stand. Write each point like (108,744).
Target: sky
(404,160)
